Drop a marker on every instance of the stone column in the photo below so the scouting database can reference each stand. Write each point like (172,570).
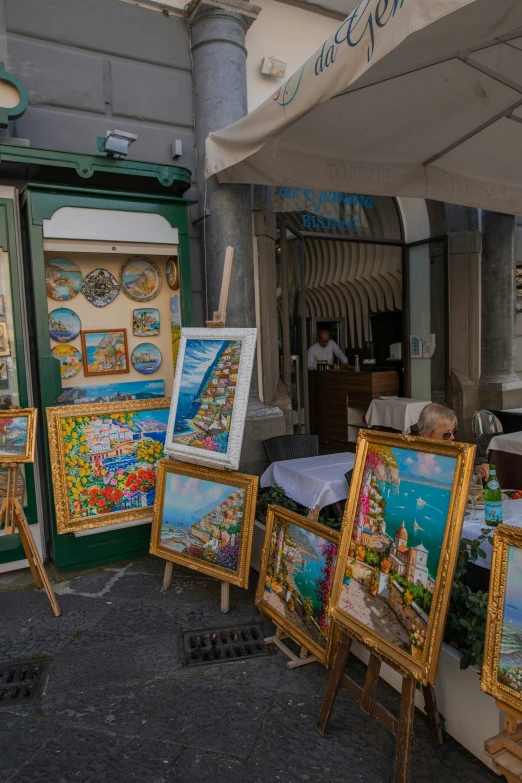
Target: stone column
(500,386)
(220,98)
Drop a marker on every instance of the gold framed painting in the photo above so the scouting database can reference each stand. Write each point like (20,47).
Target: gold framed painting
(295,579)
(204,519)
(104,459)
(502,667)
(399,545)
(17,435)
(4,340)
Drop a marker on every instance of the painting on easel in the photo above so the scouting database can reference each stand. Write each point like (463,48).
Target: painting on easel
(295,579)
(17,435)
(502,669)
(210,396)
(399,545)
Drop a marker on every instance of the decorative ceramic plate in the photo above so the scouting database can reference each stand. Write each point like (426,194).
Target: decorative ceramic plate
(146,358)
(146,322)
(63,279)
(100,288)
(173,273)
(64,325)
(70,360)
(140,278)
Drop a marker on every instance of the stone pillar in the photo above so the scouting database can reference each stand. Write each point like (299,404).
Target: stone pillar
(220,98)
(500,386)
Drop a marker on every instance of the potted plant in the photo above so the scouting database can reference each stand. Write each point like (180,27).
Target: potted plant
(351,551)
(385,565)
(348,575)
(374,585)
(417,639)
(360,553)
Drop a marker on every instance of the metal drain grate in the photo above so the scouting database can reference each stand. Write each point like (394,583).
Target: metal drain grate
(22,680)
(222,645)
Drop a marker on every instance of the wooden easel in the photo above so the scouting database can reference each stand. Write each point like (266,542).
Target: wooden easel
(401,727)
(13,517)
(504,749)
(220,319)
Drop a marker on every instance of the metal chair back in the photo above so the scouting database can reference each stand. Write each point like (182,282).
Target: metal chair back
(284,447)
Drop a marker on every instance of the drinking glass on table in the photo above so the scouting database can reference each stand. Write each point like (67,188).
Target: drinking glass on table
(475,490)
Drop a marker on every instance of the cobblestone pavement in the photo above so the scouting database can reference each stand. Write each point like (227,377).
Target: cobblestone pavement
(120,707)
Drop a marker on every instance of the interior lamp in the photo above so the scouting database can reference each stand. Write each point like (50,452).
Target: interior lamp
(116,143)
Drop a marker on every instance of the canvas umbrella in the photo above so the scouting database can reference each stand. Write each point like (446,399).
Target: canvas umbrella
(418,98)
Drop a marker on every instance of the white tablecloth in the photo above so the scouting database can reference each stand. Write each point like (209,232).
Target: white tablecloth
(312,481)
(399,413)
(512,512)
(511,443)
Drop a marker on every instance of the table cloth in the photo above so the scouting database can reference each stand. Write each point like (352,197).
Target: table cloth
(398,413)
(312,481)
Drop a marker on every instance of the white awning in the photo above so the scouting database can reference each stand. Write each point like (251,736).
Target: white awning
(418,98)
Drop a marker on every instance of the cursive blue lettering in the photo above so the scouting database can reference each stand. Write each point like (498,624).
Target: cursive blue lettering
(362,18)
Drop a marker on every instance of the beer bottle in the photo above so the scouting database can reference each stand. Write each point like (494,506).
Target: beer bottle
(493,499)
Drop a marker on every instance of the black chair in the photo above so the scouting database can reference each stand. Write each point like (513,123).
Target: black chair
(511,422)
(348,477)
(285,447)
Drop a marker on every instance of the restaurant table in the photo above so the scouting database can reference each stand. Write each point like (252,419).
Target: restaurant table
(312,481)
(505,452)
(512,515)
(396,413)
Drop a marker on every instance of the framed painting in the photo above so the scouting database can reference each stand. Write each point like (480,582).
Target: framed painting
(295,579)
(17,435)
(104,459)
(204,519)
(210,396)
(4,340)
(502,667)
(105,351)
(399,544)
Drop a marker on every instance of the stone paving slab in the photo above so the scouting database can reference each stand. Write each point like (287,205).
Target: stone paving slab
(20,740)
(194,766)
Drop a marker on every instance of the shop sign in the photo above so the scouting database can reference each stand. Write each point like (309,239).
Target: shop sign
(317,198)
(330,224)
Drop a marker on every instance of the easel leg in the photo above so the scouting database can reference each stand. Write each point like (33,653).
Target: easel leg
(405,731)
(430,702)
(31,552)
(225,597)
(370,684)
(334,683)
(167,577)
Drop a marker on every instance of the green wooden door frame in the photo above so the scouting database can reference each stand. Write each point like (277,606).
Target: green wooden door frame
(41,202)
(11,548)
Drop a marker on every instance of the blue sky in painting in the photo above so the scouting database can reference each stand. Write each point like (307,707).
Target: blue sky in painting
(199,355)
(513,599)
(174,310)
(189,495)
(426,468)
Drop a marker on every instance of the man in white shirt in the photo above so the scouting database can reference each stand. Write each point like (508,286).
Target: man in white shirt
(324,350)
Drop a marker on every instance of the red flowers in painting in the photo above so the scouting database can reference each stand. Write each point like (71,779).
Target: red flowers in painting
(104,499)
(142,479)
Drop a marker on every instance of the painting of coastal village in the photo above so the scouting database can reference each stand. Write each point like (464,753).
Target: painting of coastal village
(202,519)
(510,660)
(298,579)
(111,460)
(105,352)
(395,548)
(207,393)
(13,436)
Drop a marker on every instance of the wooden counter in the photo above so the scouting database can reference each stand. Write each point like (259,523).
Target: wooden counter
(340,398)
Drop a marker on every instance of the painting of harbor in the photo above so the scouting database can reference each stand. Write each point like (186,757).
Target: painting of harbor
(202,519)
(111,459)
(105,352)
(510,661)
(112,392)
(207,394)
(396,543)
(298,576)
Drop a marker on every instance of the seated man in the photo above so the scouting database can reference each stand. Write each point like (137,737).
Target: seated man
(324,350)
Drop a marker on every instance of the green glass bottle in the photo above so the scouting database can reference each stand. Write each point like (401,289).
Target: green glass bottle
(493,499)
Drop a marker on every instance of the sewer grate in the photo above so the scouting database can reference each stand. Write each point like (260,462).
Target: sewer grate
(22,680)
(222,645)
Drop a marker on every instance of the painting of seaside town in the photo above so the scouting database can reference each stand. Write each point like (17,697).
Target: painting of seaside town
(105,352)
(395,548)
(114,392)
(299,576)
(111,460)
(206,394)
(13,436)
(510,661)
(202,519)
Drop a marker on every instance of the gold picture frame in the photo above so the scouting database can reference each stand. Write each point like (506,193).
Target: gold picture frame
(211,537)
(392,594)
(86,440)
(17,443)
(4,340)
(269,591)
(507,555)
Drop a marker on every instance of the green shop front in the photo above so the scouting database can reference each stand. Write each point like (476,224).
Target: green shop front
(94,287)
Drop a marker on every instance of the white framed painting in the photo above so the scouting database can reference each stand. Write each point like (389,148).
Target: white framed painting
(210,396)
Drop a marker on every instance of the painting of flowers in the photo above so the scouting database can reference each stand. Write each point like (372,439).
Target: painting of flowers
(401,515)
(210,395)
(108,456)
(204,519)
(296,578)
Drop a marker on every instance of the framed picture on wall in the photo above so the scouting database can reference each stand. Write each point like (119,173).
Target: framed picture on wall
(105,351)
(4,340)
(210,396)
(17,435)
